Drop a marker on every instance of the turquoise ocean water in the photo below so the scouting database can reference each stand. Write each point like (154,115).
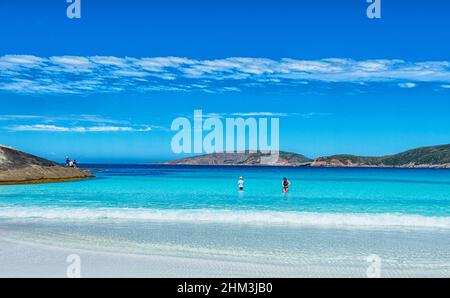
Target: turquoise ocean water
(318,196)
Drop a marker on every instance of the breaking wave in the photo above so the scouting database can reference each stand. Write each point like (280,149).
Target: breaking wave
(259,217)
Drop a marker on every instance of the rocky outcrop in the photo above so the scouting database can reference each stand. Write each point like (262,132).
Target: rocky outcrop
(244,159)
(424,157)
(334,163)
(17,167)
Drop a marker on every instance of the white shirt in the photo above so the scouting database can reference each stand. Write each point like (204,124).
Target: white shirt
(241,183)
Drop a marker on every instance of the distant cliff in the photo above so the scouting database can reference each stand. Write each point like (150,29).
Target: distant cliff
(243,159)
(424,157)
(17,167)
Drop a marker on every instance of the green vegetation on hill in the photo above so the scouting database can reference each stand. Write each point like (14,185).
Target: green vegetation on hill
(433,156)
(294,157)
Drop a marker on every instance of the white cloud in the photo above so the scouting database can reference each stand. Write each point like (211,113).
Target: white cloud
(231,89)
(109,60)
(78,129)
(159,64)
(39,127)
(109,74)
(307,115)
(260,114)
(310,115)
(15,61)
(446,86)
(70,60)
(70,123)
(93,119)
(18,117)
(407,85)
(130,73)
(83,118)
(214,115)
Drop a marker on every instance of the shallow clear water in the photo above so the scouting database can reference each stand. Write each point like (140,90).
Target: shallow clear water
(318,196)
(329,223)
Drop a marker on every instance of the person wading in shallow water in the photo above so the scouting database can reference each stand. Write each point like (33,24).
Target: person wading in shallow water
(241,184)
(285,183)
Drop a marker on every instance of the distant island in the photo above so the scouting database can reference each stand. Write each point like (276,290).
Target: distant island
(424,157)
(244,158)
(17,167)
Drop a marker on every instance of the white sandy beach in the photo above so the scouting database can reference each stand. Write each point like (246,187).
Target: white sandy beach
(158,250)
(23,259)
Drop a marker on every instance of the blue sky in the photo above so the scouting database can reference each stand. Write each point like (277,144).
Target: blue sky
(106,88)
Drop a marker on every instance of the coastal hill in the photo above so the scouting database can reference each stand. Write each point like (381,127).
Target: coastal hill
(243,159)
(17,167)
(425,157)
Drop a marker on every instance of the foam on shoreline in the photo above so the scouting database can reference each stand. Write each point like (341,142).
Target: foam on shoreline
(259,217)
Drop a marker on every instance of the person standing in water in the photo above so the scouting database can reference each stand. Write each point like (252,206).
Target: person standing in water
(241,184)
(285,183)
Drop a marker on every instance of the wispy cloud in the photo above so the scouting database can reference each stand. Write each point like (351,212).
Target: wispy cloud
(260,114)
(18,117)
(306,115)
(71,123)
(408,85)
(102,74)
(310,115)
(78,129)
(73,118)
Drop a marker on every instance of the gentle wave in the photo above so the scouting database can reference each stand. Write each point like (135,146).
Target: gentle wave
(229,216)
